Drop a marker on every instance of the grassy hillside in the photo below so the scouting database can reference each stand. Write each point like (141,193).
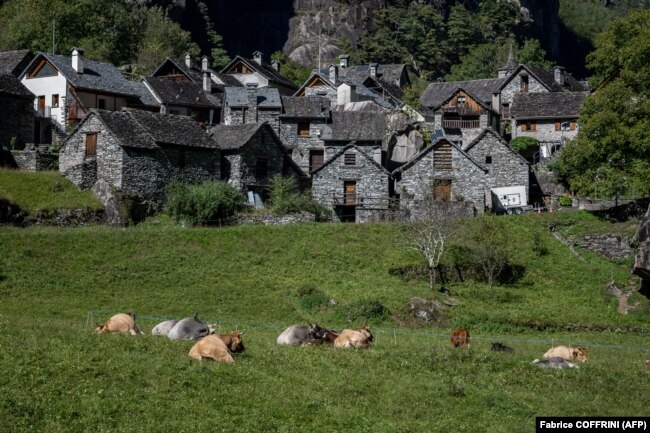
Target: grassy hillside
(43,191)
(56,375)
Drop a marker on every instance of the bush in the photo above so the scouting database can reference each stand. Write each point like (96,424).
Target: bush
(312,299)
(285,199)
(521,144)
(365,310)
(565,200)
(204,203)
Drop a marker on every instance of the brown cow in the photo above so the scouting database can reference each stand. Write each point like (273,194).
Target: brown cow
(233,341)
(568,353)
(460,338)
(120,323)
(358,339)
(211,347)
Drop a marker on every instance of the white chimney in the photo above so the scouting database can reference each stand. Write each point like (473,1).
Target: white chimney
(558,73)
(334,74)
(343,59)
(373,70)
(276,65)
(188,60)
(346,93)
(205,63)
(78,60)
(207,82)
(257,56)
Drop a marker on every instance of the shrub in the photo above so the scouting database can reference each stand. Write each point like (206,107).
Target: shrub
(285,199)
(565,200)
(313,300)
(204,203)
(521,144)
(365,310)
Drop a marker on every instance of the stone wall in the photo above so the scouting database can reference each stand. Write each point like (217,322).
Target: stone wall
(514,86)
(17,120)
(323,91)
(235,116)
(268,219)
(271,116)
(612,246)
(298,145)
(545,131)
(34,160)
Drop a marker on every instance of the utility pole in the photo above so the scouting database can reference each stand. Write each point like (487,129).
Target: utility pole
(319,32)
(53,35)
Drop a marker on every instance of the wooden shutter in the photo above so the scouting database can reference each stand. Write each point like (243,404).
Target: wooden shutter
(91,144)
(41,102)
(316,157)
(350,158)
(442,156)
(349,192)
(523,127)
(558,125)
(572,125)
(533,126)
(442,189)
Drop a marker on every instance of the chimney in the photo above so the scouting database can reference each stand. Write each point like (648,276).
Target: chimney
(346,93)
(373,70)
(188,60)
(78,60)
(207,82)
(205,63)
(276,65)
(334,74)
(343,59)
(257,56)
(558,73)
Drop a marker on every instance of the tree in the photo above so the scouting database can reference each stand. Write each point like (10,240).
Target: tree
(218,53)
(291,69)
(610,154)
(532,53)
(488,242)
(479,62)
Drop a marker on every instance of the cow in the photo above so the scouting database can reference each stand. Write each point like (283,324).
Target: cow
(211,347)
(329,337)
(296,335)
(121,322)
(460,338)
(498,347)
(163,328)
(568,353)
(358,339)
(554,362)
(190,328)
(233,341)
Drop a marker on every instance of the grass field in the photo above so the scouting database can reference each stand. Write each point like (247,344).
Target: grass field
(56,375)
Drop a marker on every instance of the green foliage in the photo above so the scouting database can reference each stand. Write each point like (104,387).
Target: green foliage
(532,53)
(610,154)
(291,69)
(285,198)
(365,311)
(206,203)
(479,62)
(313,299)
(521,144)
(218,53)
(565,200)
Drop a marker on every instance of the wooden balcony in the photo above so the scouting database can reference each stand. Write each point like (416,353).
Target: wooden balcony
(460,124)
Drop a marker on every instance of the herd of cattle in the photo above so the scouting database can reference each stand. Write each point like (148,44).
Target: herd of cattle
(221,347)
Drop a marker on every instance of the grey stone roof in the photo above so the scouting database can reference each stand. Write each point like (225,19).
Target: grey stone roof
(124,127)
(437,93)
(227,80)
(547,78)
(491,131)
(97,76)
(10,85)
(144,95)
(356,125)
(264,69)
(338,154)
(305,107)
(388,73)
(266,97)
(15,62)
(176,92)
(391,89)
(228,137)
(547,105)
(428,149)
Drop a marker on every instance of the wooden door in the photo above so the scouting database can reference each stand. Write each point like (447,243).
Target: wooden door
(316,157)
(442,189)
(350,193)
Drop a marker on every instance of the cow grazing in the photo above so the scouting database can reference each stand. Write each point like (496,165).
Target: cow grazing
(163,328)
(460,338)
(211,347)
(498,347)
(358,339)
(233,341)
(568,353)
(554,362)
(122,322)
(190,328)
(296,335)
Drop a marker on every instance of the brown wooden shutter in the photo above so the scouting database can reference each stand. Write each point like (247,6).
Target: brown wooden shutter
(316,157)
(533,126)
(523,127)
(442,156)
(91,144)
(558,125)
(350,192)
(572,125)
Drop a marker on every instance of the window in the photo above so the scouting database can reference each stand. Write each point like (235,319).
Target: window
(524,83)
(572,125)
(91,144)
(101,104)
(442,156)
(303,129)
(442,189)
(316,157)
(529,125)
(44,69)
(488,159)
(261,167)
(558,125)
(461,100)
(506,111)
(55,101)
(350,192)
(350,158)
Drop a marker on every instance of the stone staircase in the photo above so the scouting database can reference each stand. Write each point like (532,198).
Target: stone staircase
(58,134)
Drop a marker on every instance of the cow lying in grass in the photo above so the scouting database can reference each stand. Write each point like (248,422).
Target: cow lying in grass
(218,347)
(163,328)
(568,353)
(358,339)
(460,338)
(296,335)
(121,322)
(190,328)
(554,362)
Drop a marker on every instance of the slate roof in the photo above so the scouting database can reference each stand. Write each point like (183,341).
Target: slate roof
(547,105)
(15,62)
(547,76)
(356,125)
(176,92)
(428,149)
(193,74)
(387,73)
(310,107)
(147,130)
(338,154)
(229,137)
(10,85)
(437,93)
(264,69)
(97,76)
(391,89)
(266,97)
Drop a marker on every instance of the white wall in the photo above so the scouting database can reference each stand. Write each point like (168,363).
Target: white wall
(48,86)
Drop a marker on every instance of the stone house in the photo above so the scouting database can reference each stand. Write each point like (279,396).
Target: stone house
(353,185)
(550,118)
(258,73)
(366,128)
(138,153)
(16,113)
(251,154)
(301,126)
(14,62)
(185,98)
(252,105)
(442,171)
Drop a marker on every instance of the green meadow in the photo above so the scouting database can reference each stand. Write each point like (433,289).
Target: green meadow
(56,375)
